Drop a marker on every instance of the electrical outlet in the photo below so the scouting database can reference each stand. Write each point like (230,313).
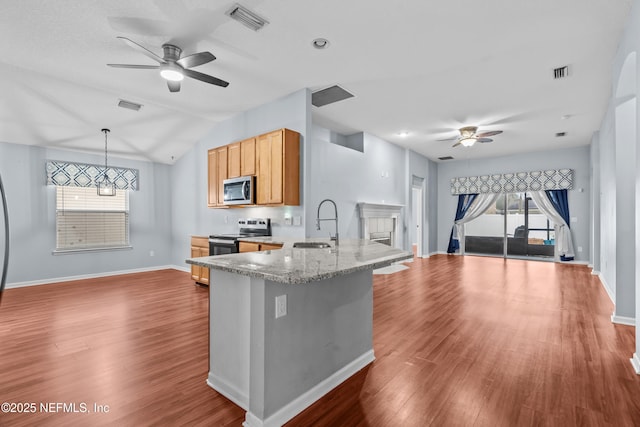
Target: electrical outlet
(579,248)
(281,306)
(287,220)
(297,220)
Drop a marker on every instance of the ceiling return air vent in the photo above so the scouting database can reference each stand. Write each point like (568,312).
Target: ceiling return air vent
(247,17)
(329,96)
(445,158)
(561,72)
(560,134)
(129,105)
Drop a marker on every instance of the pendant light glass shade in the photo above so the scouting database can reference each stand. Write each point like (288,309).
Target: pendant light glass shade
(105,186)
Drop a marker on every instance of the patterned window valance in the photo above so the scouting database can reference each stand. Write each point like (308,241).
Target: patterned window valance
(553,179)
(84,175)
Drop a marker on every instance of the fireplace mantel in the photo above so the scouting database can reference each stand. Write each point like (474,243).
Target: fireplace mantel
(374,210)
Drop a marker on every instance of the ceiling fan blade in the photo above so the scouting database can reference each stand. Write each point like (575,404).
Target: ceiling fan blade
(142,67)
(490,133)
(205,78)
(447,139)
(196,59)
(484,140)
(456,144)
(141,49)
(173,86)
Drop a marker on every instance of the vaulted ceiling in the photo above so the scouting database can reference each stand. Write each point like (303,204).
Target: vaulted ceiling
(421,67)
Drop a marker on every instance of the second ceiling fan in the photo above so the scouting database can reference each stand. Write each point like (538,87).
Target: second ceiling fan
(469,136)
(174,68)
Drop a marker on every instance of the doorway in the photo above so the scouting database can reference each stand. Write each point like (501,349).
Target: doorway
(417,216)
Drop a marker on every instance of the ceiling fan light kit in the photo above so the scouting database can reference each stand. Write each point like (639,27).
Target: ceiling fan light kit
(467,142)
(172,72)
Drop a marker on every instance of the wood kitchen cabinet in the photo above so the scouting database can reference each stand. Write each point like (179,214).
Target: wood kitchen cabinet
(242,158)
(278,168)
(199,248)
(255,247)
(218,170)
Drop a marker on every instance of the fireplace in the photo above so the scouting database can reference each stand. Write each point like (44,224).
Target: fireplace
(381,223)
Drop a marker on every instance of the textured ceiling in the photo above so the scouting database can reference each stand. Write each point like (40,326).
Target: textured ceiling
(423,67)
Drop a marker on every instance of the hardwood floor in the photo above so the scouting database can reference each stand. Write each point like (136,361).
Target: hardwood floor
(459,341)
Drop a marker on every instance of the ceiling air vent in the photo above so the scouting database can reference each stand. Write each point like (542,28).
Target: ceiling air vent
(246,17)
(445,158)
(329,96)
(561,72)
(129,105)
(560,134)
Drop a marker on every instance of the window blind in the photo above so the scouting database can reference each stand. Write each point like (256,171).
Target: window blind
(85,220)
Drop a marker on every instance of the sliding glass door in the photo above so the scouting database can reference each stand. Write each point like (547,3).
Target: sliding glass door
(513,227)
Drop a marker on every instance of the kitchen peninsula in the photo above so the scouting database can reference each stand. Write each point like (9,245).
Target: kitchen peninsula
(289,325)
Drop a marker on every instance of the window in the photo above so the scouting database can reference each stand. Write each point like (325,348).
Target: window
(85,220)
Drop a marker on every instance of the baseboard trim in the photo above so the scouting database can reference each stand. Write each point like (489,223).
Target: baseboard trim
(623,320)
(635,362)
(89,276)
(605,285)
(595,272)
(302,402)
(228,390)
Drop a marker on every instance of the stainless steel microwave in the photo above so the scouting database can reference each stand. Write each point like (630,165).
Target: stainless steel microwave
(239,191)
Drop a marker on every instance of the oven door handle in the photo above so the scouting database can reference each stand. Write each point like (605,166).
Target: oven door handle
(222,242)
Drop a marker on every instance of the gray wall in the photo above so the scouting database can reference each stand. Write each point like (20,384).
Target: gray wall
(348,177)
(421,167)
(31,206)
(381,173)
(189,175)
(615,146)
(573,158)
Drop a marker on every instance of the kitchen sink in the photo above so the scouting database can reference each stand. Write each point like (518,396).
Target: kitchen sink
(311,245)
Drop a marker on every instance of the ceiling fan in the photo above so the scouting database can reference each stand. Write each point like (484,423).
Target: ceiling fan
(469,136)
(172,67)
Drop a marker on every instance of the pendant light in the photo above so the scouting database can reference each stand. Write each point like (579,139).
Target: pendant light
(105,186)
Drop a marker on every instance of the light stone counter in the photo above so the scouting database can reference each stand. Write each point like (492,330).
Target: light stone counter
(298,265)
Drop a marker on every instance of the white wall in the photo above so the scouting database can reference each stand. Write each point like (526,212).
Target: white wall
(31,206)
(573,158)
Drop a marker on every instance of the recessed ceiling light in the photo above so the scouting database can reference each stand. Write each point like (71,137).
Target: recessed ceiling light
(320,43)
(403,134)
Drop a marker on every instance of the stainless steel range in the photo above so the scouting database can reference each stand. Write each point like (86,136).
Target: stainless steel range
(222,244)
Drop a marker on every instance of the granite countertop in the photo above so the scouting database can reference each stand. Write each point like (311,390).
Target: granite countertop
(298,265)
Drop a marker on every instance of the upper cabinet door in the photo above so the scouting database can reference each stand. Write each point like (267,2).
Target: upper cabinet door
(222,172)
(212,195)
(248,157)
(234,153)
(278,171)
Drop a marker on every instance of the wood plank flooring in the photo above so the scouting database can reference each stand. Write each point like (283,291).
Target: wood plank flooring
(459,341)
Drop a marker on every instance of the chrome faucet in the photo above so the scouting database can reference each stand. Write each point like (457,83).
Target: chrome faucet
(318,219)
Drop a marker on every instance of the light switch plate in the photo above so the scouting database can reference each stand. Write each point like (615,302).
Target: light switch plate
(297,220)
